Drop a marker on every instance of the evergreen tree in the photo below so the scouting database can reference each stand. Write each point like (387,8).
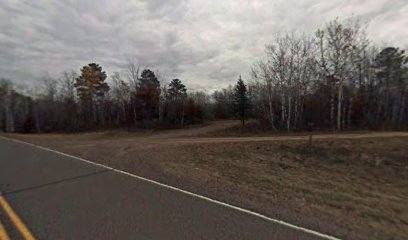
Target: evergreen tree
(91,85)
(177,89)
(148,96)
(148,79)
(91,89)
(241,99)
(391,85)
(175,98)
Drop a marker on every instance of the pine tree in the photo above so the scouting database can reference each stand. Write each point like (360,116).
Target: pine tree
(91,85)
(148,96)
(177,93)
(91,89)
(241,99)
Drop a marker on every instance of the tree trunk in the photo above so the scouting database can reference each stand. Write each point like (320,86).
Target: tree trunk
(37,121)
(9,119)
(134,111)
(271,118)
(396,109)
(283,117)
(301,109)
(332,107)
(343,116)
(182,114)
(295,116)
(243,117)
(339,101)
(288,117)
(350,106)
(401,111)
(124,111)
(379,112)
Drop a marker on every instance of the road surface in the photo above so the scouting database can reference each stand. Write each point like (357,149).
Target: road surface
(60,197)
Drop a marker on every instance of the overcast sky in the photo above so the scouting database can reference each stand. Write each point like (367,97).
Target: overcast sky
(207,44)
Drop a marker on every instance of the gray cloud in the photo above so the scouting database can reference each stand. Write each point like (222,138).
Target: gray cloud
(207,44)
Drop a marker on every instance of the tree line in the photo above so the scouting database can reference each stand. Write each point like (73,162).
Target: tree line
(335,79)
(86,101)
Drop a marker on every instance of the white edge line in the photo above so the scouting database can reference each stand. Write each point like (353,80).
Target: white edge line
(306,230)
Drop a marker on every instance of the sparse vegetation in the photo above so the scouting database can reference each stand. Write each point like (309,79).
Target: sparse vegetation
(351,188)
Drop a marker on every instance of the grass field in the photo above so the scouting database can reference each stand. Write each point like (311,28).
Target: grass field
(353,186)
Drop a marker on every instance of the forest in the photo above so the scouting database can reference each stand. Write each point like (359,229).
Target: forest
(335,78)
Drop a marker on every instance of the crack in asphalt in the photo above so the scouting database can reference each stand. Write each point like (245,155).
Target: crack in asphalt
(5,192)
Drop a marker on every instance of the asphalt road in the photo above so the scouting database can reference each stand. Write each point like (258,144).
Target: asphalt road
(59,197)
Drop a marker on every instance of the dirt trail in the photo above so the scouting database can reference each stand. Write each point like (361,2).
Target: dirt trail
(197,131)
(186,136)
(288,138)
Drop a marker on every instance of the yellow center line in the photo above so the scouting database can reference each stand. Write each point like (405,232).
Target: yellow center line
(3,233)
(15,220)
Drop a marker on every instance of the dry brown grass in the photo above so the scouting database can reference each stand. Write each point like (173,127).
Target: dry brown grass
(351,188)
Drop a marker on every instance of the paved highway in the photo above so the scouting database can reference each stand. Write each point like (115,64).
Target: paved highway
(60,197)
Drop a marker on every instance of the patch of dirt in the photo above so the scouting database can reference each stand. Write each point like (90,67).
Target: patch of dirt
(353,186)
(193,131)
